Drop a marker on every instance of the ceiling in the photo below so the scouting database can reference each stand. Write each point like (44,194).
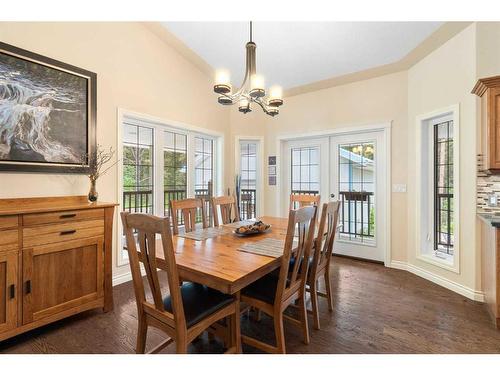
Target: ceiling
(293,54)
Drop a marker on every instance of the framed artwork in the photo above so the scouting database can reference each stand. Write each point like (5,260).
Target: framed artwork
(271,170)
(271,160)
(272,180)
(47,114)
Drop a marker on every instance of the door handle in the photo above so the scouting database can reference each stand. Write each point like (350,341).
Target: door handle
(28,286)
(12,291)
(332,195)
(67,232)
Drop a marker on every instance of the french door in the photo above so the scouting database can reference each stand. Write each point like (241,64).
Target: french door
(350,168)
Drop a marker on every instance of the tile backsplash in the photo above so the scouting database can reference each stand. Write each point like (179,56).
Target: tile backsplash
(486,185)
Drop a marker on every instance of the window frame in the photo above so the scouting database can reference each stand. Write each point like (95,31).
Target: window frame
(425,189)
(159,126)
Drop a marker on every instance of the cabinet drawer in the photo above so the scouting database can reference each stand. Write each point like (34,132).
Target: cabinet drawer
(62,216)
(9,240)
(52,233)
(8,222)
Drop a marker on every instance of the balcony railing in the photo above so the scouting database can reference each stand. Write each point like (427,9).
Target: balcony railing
(248,204)
(138,201)
(357,213)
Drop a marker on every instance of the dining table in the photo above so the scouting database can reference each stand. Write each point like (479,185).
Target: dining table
(217,263)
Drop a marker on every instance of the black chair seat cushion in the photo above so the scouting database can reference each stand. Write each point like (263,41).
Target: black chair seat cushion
(276,272)
(263,289)
(199,302)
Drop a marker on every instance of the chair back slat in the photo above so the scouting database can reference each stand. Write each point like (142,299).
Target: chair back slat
(302,200)
(326,235)
(228,208)
(188,209)
(147,227)
(300,228)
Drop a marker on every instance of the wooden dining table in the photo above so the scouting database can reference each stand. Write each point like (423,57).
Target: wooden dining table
(217,262)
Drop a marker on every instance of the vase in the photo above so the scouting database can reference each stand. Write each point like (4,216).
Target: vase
(93,192)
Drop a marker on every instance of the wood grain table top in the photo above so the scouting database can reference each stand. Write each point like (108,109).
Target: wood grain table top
(217,262)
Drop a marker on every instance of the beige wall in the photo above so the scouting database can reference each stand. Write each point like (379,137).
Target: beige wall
(136,71)
(444,78)
(371,101)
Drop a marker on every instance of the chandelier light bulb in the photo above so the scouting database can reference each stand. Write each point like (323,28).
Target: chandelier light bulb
(275,96)
(222,82)
(244,105)
(257,86)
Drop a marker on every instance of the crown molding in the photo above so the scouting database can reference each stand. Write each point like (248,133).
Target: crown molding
(484,84)
(430,44)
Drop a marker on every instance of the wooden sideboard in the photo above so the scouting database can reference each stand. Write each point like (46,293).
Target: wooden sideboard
(55,260)
(488,89)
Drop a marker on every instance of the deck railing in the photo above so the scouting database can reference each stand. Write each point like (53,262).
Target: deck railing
(248,204)
(357,214)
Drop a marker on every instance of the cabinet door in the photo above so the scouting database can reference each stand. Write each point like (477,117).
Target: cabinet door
(493,117)
(8,291)
(61,276)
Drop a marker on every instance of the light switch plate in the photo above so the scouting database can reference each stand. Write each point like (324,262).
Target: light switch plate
(399,188)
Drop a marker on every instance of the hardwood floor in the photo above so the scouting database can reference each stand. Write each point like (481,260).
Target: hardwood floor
(376,310)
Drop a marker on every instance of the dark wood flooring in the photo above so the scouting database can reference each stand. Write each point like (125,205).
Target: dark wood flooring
(377,310)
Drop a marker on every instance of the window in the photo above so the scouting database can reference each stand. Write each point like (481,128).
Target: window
(437,203)
(174,168)
(248,179)
(443,187)
(204,170)
(163,163)
(138,169)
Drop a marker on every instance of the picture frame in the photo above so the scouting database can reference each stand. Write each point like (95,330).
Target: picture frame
(271,170)
(49,114)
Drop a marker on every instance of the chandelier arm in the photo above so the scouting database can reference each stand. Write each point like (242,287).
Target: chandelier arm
(261,104)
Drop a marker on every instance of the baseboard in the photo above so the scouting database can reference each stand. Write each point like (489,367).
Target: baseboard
(472,294)
(123,278)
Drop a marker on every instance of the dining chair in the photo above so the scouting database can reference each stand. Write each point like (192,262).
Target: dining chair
(190,309)
(228,207)
(273,295)
(188,209)
(303,200)
(322,255)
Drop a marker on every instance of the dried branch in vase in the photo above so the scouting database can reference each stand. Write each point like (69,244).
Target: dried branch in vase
(98,167)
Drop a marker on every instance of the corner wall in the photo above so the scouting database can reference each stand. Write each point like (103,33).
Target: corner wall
(444,78)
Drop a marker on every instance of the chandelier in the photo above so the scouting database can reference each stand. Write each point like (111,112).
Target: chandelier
(252,89)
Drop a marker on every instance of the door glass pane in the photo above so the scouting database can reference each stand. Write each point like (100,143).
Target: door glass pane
(248,179)
(138,169)
(305,170)
(356,191)
(174,169)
